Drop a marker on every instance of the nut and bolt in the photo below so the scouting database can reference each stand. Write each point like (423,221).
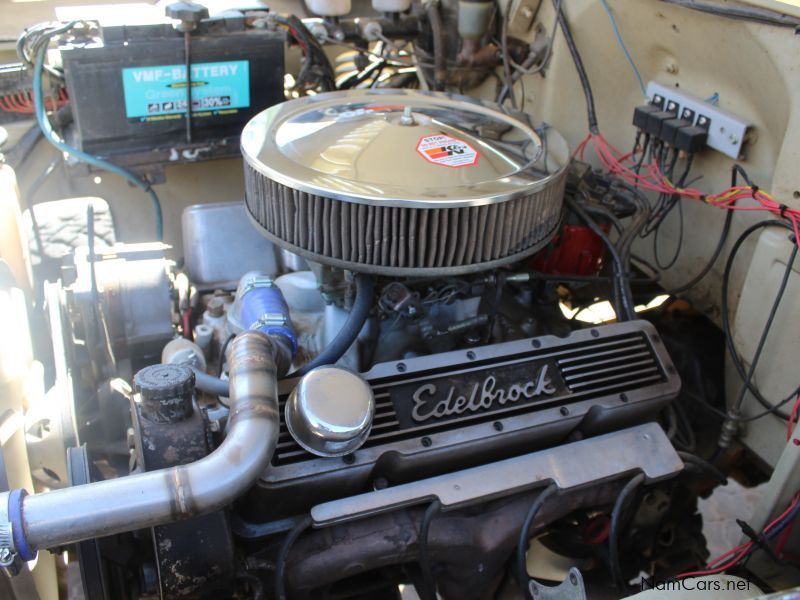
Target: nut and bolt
(408,117)
(216,306)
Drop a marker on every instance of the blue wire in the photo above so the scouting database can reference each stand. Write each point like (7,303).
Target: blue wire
(52,137)
(624,48)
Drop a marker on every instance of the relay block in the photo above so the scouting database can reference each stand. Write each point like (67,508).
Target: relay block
(689,123)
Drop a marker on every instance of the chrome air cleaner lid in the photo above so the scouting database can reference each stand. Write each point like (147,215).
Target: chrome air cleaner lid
(403,148)
(403,182)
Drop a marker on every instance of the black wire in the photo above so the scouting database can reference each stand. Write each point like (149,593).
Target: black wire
(222,351)
(766,536)
(315,54)
(767,327)
(524,535)
(723,415)
(591,114)
(679,244)
(685,435)
(625,243)
(96,303)
(623,301)
(726,324)
(704,465)
(29,203)
(723,237)
(745,13)
(187,57)
(587,278)
(283,553)
(613,535)
(429,593)
(507,60)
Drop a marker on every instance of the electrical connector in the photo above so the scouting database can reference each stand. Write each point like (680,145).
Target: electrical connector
(642,113)
(691,139)
(656,120)
(670,128)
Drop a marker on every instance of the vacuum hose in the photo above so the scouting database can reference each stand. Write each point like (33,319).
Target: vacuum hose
(349,331)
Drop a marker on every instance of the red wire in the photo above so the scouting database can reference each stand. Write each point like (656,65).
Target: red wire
(793,418)
(783,538)
(187,327)
(742,549)
(650,178)
(597,530)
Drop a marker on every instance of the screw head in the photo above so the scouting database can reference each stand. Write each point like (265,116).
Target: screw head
(188,13)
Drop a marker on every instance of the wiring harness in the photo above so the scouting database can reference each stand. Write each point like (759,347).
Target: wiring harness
(649,176)
(739,555)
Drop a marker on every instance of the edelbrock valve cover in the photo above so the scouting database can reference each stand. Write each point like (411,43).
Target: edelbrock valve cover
(458,409)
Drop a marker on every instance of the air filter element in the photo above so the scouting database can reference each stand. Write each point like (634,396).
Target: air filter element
(403,182)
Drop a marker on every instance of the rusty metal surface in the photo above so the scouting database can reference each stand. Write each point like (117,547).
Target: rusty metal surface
(471,547)
(194,558)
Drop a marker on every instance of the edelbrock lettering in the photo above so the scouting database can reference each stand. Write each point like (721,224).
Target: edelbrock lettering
(481,397)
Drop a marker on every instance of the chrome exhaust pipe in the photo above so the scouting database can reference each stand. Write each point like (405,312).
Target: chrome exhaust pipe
(66,516)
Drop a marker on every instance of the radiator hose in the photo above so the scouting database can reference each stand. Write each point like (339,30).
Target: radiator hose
(60,517)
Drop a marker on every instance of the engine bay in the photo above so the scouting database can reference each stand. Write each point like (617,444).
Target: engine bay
(340,299)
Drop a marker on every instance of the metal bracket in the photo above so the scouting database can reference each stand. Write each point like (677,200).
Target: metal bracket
(644,448)
(726,131)
(571,588)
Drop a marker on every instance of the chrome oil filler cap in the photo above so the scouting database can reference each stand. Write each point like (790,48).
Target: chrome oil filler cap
(330,411)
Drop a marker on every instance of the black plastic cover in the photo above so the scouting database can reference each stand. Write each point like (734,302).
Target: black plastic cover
(94,79)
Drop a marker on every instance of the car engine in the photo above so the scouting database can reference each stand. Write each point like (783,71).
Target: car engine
(425,351)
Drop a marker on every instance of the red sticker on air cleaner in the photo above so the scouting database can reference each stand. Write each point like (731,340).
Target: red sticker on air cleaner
(448,151)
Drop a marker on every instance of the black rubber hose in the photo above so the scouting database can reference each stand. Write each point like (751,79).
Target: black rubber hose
(429,593)
(613,536)
(591,113)
(210,384)
(280,564)
(439,56)
(704,465)
(524,533)
(349,331)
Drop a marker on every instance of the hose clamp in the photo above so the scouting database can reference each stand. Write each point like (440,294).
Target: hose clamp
(270,320)
(10,561)
(256,282)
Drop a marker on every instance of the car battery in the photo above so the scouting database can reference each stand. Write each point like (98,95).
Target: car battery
(127,86)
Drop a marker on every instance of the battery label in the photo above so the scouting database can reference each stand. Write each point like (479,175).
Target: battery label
(447,150)
(155,93)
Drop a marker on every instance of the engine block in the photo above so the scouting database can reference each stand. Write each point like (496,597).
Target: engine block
(458,409)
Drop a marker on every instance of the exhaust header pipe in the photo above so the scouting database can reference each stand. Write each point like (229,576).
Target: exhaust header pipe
(29,523)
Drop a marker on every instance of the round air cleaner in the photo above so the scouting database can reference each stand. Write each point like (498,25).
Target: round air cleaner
(403,182)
